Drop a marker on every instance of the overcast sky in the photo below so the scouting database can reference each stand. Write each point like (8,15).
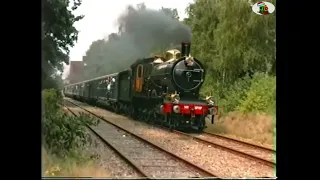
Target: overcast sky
(100,20)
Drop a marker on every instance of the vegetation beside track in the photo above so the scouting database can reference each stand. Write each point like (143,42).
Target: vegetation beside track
(248,109)
(65,141)
(64,137)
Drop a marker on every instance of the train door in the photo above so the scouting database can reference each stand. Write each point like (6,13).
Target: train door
(139,78)
(124,86)
(86,90)
(82,90)
(93,90)
(89,90)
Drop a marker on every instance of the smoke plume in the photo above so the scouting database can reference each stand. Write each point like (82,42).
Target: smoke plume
(141,32)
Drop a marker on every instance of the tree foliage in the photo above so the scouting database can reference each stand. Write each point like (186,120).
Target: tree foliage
(236,46)
(59,34)
(230,39)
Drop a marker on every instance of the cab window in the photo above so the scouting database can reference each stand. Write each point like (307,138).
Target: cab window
(140,71)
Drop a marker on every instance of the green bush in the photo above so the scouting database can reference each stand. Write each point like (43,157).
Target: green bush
(247,94)
(261,96)
(52,99)
(63,133)
(227,97)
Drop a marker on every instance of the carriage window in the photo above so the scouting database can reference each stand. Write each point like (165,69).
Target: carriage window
(146,71)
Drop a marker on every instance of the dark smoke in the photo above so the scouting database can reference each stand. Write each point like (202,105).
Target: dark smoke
(148,28)
(141,32)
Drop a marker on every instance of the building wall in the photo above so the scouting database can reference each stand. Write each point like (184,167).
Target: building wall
(76,72)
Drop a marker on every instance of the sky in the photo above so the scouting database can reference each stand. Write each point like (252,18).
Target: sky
(100,20)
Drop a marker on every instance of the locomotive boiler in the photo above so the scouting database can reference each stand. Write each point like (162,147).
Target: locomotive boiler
(181,72)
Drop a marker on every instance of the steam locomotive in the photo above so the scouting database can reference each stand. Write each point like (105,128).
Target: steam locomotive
(161,90)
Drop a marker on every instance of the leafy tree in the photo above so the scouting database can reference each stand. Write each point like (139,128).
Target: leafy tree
(54,81)
(230,39)
(233,42)
(171,12)
(59,35)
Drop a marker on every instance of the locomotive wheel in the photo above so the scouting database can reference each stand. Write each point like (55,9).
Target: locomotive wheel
(200,130)
(131,111)
(201,124)
(171,123)
(115,108)
(145,115)
(139,115)
(176,122)
(168,121)
(154,117)
(151,118)
(164,119)
(126,110)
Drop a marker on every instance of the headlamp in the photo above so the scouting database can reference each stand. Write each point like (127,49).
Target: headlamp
(175,98)
(189,61)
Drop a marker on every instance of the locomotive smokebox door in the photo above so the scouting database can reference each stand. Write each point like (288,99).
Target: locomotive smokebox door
(185,49)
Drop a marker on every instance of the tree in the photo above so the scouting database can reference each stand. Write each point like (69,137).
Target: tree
(59,34)
(171,12)
(230,39)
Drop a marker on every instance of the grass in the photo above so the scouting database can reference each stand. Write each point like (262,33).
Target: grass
(54,166)
(254,127)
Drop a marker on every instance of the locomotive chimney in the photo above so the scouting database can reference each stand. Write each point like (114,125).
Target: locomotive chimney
(185,49)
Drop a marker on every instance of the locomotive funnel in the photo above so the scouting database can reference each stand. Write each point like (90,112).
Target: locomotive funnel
(185,49)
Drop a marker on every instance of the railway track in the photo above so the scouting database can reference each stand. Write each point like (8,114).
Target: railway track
(257,153)
(270,150)
(244,149)
(149,159)
(265,152)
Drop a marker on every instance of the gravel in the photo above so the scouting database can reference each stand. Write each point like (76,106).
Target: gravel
(250,141)
(219,162)
(152,161)
(111,161)
(255,151)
